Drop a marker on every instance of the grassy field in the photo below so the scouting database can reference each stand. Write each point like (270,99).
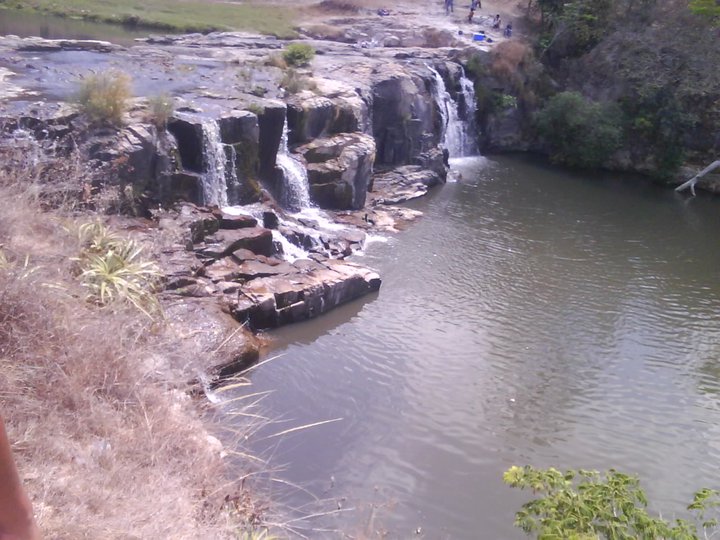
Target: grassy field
(172,15)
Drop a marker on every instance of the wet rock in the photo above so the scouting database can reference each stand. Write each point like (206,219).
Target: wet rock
(403,184)
(271,220)
(271,120)
(188,223)
(273,301)
(239,221)
(224,242)
(241,132)
(404,115)
(188,131)
(339,169)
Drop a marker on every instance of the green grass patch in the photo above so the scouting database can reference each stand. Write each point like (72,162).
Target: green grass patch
(173,15)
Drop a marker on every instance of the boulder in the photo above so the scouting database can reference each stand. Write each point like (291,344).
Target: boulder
(240,131)
(403,184)
(188,132)
(271,120)
(403,112)
(212,343)
(338,109)
(232,221)
(339,169)
(315,289)
(223,243)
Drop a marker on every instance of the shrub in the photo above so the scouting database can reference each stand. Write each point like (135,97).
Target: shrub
(298,54)
(587,505)
(275,60)
(579,132)
(103,96)
(111,269)
(293,82)
(160,109)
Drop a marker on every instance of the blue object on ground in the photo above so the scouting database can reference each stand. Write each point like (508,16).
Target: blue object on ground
(478,37)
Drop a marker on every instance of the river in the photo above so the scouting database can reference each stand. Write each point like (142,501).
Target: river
(532,316)
(26,24)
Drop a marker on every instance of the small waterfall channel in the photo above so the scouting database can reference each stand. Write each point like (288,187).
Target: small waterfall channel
(215,177)
(296,189)
(457,132)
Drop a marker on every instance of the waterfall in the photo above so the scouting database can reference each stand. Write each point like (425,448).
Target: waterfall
(469,106)
(214,179)
(454,135)
(296,189)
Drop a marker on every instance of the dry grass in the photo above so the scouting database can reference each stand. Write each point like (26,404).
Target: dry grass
(513,62)
(103,97)
(106,448)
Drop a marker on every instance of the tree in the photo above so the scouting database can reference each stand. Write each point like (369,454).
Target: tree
(588,505)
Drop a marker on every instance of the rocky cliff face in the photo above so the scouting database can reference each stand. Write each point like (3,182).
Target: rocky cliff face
(370,116)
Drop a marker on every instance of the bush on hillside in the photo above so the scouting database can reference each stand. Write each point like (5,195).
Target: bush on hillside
(103,96)
(579,132)
(298,54)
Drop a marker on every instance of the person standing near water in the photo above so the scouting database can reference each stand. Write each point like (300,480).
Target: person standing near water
(449,7)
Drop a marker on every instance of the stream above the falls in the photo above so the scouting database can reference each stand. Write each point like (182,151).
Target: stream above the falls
(532,316)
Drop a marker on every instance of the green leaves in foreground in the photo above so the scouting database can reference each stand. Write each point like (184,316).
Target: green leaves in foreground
(588,505)
(111,269)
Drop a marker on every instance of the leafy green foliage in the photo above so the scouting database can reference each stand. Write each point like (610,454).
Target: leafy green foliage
(587,505)
(579,132)
(112,270)
(103,96)
(298,54)
(710,9)
(661,121)
(586,22)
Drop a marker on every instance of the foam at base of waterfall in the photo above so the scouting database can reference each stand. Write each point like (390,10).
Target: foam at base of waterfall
(291,252)
(318,216)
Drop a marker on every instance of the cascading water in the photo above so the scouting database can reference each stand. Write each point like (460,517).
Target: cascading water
(296,189)
(455,135)
(468,114)
(214,179)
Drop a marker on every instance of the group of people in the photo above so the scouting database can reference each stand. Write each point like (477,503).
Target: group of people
(475,5)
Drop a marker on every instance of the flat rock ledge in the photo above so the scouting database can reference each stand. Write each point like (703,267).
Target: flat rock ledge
(240,265)
(311,289)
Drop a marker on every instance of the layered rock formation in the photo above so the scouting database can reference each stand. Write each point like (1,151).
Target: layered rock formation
(368,134)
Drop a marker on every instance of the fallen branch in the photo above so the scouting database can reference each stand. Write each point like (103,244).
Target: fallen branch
(694,180)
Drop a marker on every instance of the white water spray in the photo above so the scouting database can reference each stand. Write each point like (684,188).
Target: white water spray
(296,193)
(455,135)
(214,179)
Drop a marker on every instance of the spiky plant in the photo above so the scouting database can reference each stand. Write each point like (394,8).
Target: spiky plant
(112,269)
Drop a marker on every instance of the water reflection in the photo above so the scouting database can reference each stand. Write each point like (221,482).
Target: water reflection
(530,317)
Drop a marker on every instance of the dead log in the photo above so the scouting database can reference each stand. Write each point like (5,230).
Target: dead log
(694,180)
